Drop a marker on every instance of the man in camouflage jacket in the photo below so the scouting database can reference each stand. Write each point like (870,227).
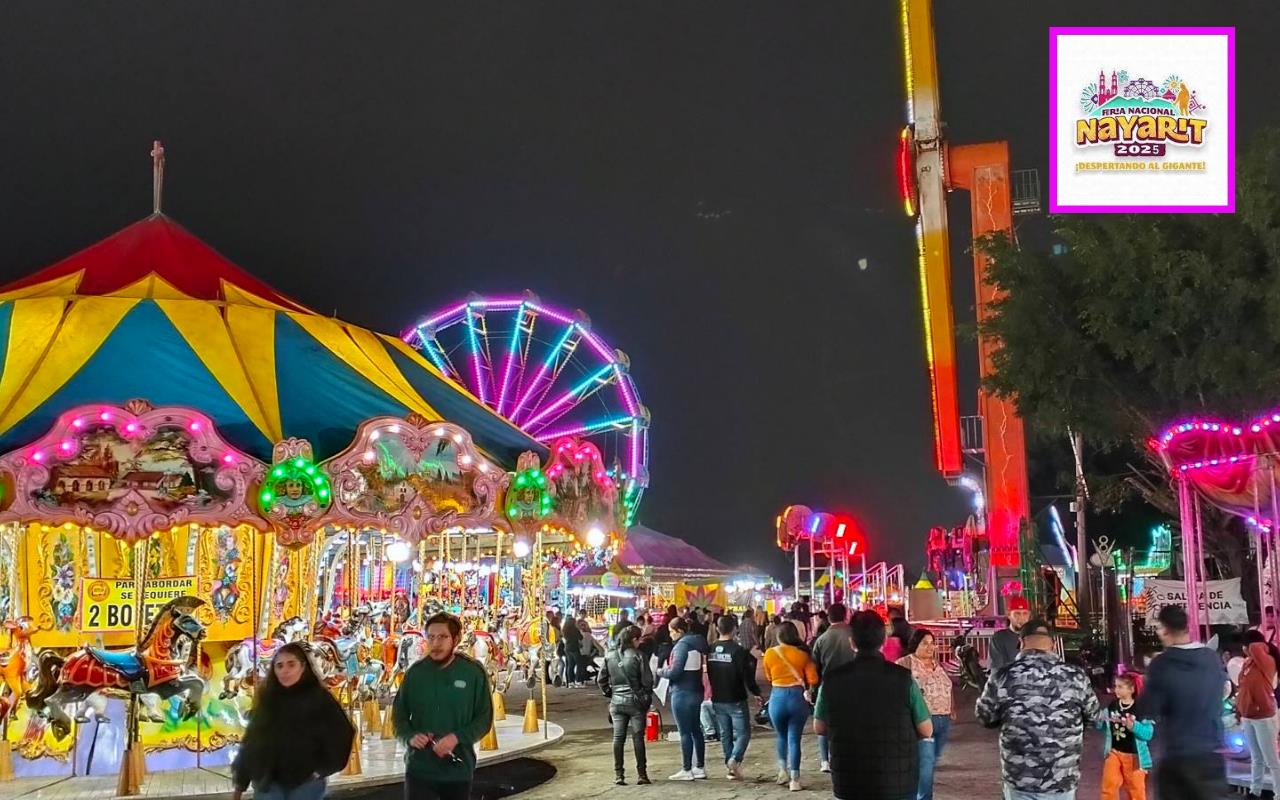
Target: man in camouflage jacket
(1041,704)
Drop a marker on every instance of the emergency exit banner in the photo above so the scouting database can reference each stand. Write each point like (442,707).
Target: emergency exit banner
(109,605)
(1222,604)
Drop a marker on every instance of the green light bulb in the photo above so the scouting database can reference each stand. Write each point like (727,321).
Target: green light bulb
(278,472)
(299,463)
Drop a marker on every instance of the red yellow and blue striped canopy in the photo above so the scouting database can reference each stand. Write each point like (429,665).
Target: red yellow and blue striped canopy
(154,313)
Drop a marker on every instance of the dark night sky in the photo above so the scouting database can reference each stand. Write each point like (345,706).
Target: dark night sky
(386,162)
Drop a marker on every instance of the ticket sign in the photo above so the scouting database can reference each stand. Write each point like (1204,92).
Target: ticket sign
(109,605)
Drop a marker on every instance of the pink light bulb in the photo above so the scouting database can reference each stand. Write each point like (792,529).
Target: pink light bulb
(195,426)
(104,416)
(37,455)
(66,446)
(228,458)
(77,423)
(131,427)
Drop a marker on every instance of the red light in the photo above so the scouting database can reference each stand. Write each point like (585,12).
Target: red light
(906,171)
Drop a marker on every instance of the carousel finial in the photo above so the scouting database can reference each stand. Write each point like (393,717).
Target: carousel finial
(157,175)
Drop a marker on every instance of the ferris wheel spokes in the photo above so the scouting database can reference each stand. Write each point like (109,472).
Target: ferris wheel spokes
(605,376)
(556,359)
(524,325)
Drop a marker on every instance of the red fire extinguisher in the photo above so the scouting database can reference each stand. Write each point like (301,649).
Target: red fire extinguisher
(652,727)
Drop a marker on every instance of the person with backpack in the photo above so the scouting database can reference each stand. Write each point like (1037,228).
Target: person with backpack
(628,683)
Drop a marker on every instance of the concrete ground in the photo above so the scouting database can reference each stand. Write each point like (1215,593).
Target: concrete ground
(584,758)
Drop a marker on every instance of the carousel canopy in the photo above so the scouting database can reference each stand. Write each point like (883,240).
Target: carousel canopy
(660,553)
(154,313)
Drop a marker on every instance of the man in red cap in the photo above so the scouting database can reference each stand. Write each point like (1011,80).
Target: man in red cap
(1005,643)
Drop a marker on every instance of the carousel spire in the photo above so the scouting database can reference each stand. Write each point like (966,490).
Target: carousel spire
(157,175)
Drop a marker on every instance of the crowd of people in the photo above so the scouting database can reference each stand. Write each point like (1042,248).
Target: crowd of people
(880,701)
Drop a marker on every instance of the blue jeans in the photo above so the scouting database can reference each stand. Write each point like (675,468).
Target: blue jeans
(311,790)
(788,712)
(685,706)
(734,723)
(930,752)
(1011,793)
(824,749)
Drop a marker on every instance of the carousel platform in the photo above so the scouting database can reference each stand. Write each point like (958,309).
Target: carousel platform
(383,762)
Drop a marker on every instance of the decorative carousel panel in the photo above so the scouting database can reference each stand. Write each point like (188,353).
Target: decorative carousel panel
(295,494)
(131,471)
(56,559)
(225,566)
(585,495)
(412,478)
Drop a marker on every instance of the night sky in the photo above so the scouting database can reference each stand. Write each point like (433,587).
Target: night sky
(701,178)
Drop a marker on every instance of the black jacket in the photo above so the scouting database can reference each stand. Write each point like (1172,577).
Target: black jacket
(732,672)
(623,673)
(1183,694)
(874,745)
(302,735)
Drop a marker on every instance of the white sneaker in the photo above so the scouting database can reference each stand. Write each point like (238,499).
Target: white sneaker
(732,769)
(699,774)
(783,776)
(682,775)
(826,766)
(795,785)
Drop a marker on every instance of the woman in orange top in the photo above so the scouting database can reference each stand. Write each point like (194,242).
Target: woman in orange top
(790,670)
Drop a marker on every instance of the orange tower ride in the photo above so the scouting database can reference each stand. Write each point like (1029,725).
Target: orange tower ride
(928,167)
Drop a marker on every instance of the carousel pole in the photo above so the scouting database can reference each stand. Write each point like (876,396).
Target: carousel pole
(353,763)
(546,733)
(497,574)
(422,582)
(132,765)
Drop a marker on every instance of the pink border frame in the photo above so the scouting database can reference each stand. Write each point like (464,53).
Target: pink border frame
(1229,207)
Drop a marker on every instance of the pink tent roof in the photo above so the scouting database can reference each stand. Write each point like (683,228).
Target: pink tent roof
(645,547)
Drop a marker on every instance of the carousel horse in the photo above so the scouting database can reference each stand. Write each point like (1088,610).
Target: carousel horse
(411,649)
(241,670)
(489,652)
(149,709)
(338,661)
(17,664)
(155,666)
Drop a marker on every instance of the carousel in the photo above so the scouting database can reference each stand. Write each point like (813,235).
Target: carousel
(197,469)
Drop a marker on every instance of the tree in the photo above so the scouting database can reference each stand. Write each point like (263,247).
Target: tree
(1145,319)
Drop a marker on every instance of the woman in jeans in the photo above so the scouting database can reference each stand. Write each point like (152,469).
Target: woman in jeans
(791,671)
(685,676)
(935,685)
(628,683)
(1256,705)
(298,734)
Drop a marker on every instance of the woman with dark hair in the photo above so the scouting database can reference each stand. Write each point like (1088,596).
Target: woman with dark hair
(792,673)
(935,685)
(898,642)
(298,734)
(687,693)
(628,683)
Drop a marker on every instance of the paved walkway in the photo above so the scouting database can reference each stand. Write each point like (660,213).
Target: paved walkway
(382,762)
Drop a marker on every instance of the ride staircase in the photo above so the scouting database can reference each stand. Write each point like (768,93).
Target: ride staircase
(1039,593)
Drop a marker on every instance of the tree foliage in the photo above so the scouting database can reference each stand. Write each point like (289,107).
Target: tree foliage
(1145,319)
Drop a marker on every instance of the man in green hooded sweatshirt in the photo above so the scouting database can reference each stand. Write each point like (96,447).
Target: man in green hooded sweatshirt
(442,709)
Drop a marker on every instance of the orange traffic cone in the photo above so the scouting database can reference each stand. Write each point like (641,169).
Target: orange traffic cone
(499,707)
(531,716)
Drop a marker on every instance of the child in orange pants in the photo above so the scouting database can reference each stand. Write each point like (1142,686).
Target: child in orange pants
(1127,756)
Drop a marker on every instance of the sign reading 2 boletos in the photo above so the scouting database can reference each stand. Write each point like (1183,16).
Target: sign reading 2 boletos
(109,605)
(1141,119)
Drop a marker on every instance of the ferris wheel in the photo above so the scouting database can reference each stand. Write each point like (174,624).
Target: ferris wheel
(545,371)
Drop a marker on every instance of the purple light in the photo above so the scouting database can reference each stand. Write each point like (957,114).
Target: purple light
(511,357)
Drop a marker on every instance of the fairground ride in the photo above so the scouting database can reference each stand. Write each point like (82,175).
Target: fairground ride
(549,374)
(929,166)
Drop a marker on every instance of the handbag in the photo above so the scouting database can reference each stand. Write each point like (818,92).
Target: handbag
(796,674)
